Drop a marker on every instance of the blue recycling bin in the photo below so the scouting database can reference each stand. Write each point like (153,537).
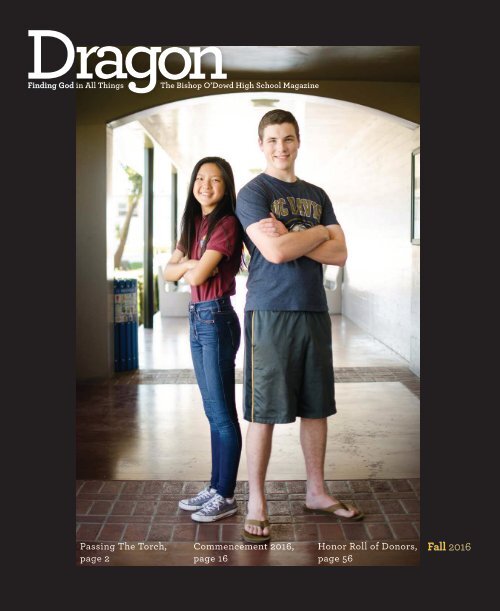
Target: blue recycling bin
(125,325)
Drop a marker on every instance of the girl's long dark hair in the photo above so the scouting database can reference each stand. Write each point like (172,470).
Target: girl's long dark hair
(226,207)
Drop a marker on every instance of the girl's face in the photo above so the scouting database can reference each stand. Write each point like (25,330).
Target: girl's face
(209,187)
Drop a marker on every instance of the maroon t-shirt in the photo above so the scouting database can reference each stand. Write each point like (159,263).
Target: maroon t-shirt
(226,239)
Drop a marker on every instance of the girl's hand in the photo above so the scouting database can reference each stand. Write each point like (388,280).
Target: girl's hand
(272,227)
(190,263)
(177,266)
(204,269)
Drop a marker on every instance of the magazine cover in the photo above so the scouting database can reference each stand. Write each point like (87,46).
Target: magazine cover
(161,481)
(323,149)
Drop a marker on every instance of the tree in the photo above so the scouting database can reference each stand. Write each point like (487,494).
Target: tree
(133,199)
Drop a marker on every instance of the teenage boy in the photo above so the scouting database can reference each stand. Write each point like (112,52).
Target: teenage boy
(290,231)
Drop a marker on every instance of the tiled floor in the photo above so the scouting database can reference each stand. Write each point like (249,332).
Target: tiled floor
(342,374)
(143,443)
(166,345)
(159,431)
(147,512)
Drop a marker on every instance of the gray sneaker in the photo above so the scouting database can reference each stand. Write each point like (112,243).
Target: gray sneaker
(216,509)
(197,502)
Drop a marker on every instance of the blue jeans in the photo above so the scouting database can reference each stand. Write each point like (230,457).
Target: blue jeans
(215,338)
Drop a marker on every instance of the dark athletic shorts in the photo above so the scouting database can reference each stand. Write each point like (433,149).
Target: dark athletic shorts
(288,371)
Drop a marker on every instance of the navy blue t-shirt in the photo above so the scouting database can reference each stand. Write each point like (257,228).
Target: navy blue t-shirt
(296,285)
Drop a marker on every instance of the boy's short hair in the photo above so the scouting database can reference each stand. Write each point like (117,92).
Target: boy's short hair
(277,117)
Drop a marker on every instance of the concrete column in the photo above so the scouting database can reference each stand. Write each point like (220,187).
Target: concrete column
(94,290)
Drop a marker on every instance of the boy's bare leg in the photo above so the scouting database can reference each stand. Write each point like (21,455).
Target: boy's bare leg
(313,432)
(258,451)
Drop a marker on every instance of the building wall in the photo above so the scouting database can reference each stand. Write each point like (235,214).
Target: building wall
(370,185)
(93,345)
(415,312)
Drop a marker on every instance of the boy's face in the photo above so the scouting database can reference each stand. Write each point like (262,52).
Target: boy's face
(280,147)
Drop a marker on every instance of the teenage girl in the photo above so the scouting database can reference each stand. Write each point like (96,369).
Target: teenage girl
(208,257)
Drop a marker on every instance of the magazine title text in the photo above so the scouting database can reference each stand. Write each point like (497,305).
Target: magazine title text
(120,67)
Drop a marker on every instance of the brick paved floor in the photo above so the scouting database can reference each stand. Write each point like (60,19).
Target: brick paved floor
(146,511)
(113,511)
(342,374)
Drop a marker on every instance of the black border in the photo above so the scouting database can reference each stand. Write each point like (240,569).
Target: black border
(42,336)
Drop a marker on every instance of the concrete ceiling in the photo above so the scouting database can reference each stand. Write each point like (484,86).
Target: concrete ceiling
(350,63)
(226,125)
(366,63)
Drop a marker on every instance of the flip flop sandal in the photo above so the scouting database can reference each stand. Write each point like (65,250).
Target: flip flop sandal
(250,538)
(335,507)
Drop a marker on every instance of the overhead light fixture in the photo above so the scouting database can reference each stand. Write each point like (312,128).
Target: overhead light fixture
(264,102)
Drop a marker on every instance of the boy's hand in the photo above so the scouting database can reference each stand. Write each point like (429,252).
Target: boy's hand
(272,227)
